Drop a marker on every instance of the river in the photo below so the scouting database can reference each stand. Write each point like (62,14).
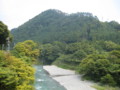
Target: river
(44,82)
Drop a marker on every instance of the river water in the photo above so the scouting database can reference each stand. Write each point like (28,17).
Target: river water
(44,82)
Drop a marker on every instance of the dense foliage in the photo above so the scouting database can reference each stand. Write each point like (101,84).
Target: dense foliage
(54,25)
(27,51)
(14,73)
(103,68)
(98,61)
(4,34)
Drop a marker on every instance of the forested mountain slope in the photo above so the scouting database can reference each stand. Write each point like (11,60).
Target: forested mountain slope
(54,25)
(76,41)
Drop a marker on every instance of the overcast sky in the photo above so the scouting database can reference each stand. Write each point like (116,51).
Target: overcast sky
(15,12)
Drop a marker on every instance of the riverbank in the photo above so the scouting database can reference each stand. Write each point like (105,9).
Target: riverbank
(68,78)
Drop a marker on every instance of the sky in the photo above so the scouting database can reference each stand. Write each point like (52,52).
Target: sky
(16,12)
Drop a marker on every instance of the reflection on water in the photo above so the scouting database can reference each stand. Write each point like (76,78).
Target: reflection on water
(44,82)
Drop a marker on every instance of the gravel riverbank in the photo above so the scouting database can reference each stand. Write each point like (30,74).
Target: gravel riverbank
(68,78)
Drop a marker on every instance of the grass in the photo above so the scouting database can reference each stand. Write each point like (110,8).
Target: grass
(66,66)
(105,87)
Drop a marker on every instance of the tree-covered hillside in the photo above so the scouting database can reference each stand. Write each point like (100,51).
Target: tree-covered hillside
(54,25)
(76,41)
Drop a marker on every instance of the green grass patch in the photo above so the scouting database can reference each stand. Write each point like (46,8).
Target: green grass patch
(65,66)
(105,87)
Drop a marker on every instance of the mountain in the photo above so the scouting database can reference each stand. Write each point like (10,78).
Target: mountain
(54,25)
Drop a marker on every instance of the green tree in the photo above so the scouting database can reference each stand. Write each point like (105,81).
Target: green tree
(14,73)
(80,54)
(4,34)
(28,51)
(49,53)
(109,46)
(114,58)
(108,79)
(94,66)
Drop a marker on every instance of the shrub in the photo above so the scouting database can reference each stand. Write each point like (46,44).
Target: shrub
(108,79)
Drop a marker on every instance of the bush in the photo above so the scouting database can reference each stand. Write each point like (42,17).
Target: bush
(14,73)
(27,51)
(108,79)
